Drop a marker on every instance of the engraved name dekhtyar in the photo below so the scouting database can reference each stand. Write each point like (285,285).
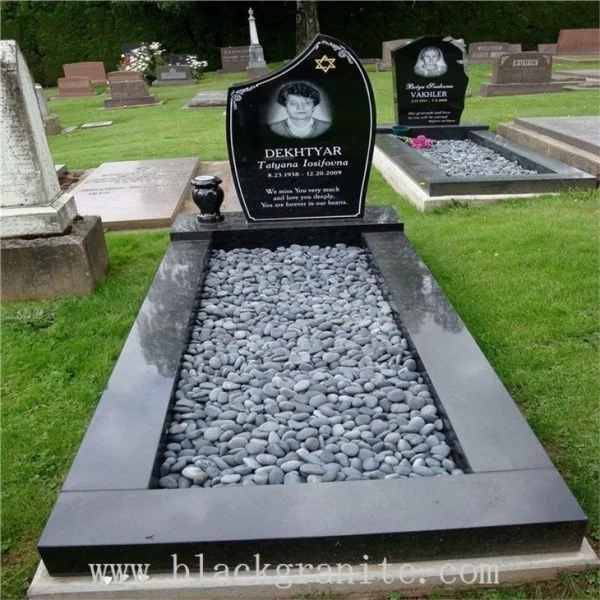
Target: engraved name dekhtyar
(273,157)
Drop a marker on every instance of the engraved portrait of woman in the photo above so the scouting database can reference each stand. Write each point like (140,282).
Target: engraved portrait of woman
(299,99)
(430,63)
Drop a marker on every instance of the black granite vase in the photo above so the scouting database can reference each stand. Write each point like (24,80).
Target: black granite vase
(208,197)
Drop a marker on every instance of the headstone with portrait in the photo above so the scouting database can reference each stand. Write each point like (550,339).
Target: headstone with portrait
(430,81)
(300,140)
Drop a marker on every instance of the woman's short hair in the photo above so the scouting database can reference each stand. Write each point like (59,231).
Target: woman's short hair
(298,89)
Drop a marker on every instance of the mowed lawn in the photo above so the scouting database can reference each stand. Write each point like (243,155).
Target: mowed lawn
(523,275)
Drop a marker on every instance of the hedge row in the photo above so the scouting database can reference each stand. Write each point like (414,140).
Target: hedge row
(54,33)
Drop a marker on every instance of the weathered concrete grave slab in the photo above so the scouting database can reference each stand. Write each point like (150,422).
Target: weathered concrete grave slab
(572,140)
(137,194)
(208,100)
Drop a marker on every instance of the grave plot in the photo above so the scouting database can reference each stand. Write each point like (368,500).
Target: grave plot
(479,165)
(435,459)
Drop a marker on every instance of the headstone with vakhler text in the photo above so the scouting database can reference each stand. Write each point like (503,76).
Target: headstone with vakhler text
(300,140)
(430,81)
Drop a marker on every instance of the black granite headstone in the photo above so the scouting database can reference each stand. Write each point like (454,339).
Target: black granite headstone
(300,139)
(177,59)
(130,46)
(430,81)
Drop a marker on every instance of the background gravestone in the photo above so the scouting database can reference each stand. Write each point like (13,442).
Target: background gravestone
(74,87)
(46,251)
(234,59)
(522,67)
(430,81)
(521,73)
(279,175)
(386,53)
(92,70)
(578,41)
(547,48)
(51,122)
(173,75)
(115,76)
(177,59)
(129,93)
(485,52)
(130,46)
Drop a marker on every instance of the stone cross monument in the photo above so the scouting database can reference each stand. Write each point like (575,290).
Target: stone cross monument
(256,64)
(47,250)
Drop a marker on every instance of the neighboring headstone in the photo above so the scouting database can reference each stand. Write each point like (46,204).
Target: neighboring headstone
(74,87)
(256,59)
(386,53)
(130,46)
(51,122)
(137,194)
(94,71)
(430,81)
(300,141)
(115,76)
(547,48)
(45,251)
(485,52)
(208,99)
(177,59)
(521,73)
(173,75)
(578,42)
(129,93)
(41,100)
(234,59)
(70,129)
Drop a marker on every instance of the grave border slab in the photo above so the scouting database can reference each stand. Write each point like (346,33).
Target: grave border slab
(513,498)
(553,175)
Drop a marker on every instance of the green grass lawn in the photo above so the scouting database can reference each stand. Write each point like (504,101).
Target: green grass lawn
(523,275)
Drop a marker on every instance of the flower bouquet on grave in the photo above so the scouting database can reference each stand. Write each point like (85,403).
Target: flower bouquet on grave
(144,59)
(196,66)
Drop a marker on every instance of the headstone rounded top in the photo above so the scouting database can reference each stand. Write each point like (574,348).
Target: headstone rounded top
(300,139)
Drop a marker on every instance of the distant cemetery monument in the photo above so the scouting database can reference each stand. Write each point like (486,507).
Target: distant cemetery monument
(127,93)
(578,42)
(486,52)
(521,73)
(385,64)
(47,250)
(173,75)
(116,76)
(256,59)
(234,59)
(74,87)
(51,122)
(94,71)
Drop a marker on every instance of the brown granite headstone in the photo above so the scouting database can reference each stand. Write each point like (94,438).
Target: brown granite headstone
(174,75)
(547,48)
(487,51)
(522,67)
(92,70)
(578,41)
(115,76)
(74,87)
(386,53)
(129,93)
(234,59)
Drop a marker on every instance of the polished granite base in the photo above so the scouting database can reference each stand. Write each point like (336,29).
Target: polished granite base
(552,175)
(511,500)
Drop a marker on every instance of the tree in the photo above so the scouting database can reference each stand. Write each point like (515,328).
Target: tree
(307,23)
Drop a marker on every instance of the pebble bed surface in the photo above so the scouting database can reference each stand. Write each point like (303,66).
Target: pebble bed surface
(296,372)
(465,158)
